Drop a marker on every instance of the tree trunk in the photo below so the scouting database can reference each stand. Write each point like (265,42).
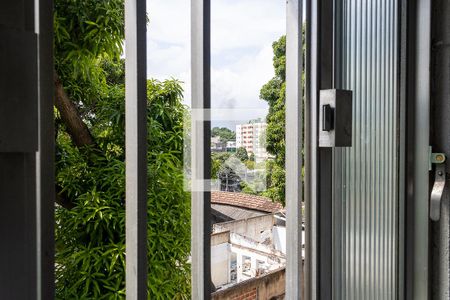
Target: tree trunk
(77,129)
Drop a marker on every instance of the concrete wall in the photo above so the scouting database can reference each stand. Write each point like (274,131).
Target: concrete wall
(271,262)
(269,286)
(220,238)
(279,238)
(257,228)
(220,264)
(440,140)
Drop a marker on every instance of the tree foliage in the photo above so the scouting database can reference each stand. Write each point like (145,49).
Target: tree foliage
(224,133)
(217,160)
(90,232)
(274,92)
(242,154)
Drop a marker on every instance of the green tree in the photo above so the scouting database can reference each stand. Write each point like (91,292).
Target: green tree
(229,180)
(241,154)
(274,92)
(224,133)
(90,167)
(218,159)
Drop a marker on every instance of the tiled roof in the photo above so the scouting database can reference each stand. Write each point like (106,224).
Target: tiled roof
(234,213)
(245,201)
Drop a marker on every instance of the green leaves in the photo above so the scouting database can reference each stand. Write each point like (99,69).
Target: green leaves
(241,154)
(274,93)
(91,237)
(224,133)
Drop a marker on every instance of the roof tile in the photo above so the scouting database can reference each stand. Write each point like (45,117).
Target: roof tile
(254,202)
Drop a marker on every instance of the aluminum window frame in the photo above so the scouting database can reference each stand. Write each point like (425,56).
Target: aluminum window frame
(319,179)
(200,152)
(294,146)
(417,36)
(136,149)
(414,97)
(45,164)
(416,49)
(415,45)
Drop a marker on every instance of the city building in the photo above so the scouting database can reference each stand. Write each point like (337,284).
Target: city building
(251,136)
(231,146)
(217,145)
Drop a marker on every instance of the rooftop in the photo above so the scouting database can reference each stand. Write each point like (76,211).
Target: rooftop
(242,200)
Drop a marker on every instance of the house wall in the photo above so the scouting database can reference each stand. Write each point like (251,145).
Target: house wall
(220,238)
(279,238)
(257,228)
(255,256)
(220,264)
(269,286)
(225,245)
(440,140)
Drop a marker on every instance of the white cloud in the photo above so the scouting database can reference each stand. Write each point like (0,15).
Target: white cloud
(245,23)
(242,35)
(238,84)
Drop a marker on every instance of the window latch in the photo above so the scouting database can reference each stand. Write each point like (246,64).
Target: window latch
(438,160)
(335,118)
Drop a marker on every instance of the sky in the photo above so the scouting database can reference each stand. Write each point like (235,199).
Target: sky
(242,33)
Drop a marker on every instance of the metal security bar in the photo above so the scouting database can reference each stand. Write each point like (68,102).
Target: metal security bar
(200,195)
(23,97)
(45,164)
(136,149)
(294,122)
(318,205)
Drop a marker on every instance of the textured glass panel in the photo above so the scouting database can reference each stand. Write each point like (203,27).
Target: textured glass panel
(366,184)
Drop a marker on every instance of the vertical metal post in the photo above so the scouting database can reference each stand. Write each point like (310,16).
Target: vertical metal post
(307,155)
(45,165)
(320,226)
(19,132)
(422,140)
(136,149)
(294,266)
(201,196)
(440,131)
(313,225)
(403,84)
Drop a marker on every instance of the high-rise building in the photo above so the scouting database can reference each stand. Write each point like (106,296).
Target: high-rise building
(252,137)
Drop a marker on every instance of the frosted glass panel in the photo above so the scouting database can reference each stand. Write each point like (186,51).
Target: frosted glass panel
(365,210)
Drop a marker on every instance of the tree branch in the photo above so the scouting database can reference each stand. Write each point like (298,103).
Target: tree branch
(63,201)
(77,129)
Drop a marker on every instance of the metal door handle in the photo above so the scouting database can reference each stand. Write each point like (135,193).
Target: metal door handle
(437,191)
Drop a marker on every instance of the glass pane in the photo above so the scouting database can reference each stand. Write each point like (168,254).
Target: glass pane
(247,100)
(366,183)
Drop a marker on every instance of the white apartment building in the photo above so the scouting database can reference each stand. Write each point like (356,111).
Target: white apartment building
(251,136)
